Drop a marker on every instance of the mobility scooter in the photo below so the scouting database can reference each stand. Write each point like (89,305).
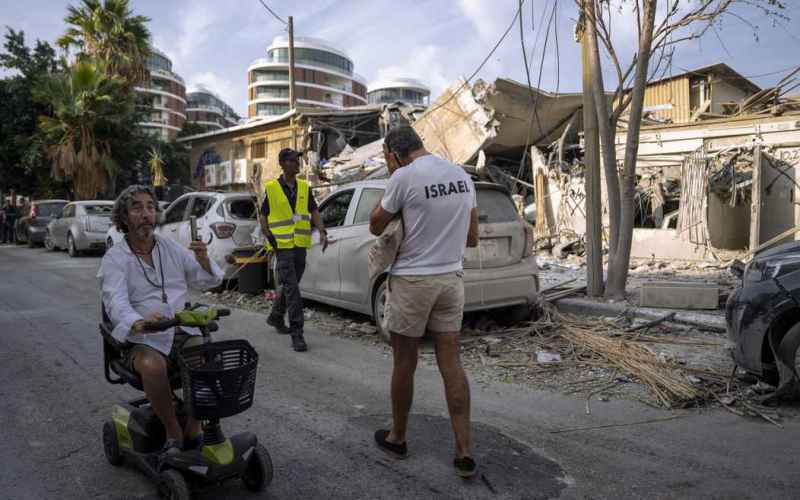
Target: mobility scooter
(218,381)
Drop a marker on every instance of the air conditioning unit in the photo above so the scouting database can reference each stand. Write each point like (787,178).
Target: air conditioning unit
(240,172)
(211,175)
(225,173)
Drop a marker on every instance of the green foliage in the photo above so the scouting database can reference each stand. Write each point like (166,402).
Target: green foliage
(24,166)
(108,31)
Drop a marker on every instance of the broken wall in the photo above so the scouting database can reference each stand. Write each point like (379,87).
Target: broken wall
(775,192)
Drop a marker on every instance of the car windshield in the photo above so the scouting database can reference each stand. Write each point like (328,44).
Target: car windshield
(102,210)
(242,208)
(495,206)
(49,209)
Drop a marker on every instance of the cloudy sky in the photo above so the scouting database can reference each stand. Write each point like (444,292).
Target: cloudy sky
(212,42)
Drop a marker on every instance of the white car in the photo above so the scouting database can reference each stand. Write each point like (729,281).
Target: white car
(500,273)
(113,235)
(225,222)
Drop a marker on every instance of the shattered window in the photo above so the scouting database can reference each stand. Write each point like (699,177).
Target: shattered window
(495,206)
(334,209)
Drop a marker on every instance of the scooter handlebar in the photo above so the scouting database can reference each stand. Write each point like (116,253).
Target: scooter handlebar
(160,325)
(223,312)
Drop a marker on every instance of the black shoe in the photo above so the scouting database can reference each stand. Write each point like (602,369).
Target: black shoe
(465,467)
(278,325)
(393,449)
(298,343)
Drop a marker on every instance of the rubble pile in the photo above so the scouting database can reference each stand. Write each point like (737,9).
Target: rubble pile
(607,354)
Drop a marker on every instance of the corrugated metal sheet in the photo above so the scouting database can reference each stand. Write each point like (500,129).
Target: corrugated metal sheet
(674,93)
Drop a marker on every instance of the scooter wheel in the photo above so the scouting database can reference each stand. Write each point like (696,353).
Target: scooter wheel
(111,444)
(172,485)
(258,474)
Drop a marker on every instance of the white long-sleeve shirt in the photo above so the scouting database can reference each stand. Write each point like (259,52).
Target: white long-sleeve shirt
(129,297)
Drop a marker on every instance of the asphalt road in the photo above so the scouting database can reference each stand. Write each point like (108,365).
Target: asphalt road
(316,413)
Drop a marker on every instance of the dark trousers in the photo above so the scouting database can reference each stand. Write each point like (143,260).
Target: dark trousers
(8,230)
(290,266)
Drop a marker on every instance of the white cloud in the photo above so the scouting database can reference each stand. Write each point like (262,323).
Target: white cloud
(424,63)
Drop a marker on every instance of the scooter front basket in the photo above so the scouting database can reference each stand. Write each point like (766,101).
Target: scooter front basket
(218,378)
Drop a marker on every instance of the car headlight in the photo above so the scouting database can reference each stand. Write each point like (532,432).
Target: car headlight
(757,272)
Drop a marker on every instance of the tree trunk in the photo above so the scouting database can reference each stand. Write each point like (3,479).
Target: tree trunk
(607,132)
(618,273)
(591,160)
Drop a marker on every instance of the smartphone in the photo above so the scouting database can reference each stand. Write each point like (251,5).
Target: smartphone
(193,226)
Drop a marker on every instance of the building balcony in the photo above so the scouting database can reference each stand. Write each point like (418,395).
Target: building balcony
(156,91)
(169,75)
(266,63)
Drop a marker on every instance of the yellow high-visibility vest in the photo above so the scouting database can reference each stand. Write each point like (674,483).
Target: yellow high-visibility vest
(291,228)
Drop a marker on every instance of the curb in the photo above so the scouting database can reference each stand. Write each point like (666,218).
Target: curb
(586,307)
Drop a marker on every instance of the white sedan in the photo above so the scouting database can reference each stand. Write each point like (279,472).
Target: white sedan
(500,273)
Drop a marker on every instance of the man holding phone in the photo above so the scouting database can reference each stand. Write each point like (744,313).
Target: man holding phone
(289,209)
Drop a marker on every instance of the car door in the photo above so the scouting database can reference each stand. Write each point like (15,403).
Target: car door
(354,243)
(199,207)
(322,275)
(174,217)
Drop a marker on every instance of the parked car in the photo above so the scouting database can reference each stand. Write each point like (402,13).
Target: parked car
(31,227)
(81,226)
(113,235)
(763,317)
(225,222)
(500,273)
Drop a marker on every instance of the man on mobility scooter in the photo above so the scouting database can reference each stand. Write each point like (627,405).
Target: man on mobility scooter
(152,345)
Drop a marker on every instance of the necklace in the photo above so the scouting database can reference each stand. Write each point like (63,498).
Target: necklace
(144,271)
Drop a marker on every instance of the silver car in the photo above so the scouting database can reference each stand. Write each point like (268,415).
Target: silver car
(500,273)
(81,226)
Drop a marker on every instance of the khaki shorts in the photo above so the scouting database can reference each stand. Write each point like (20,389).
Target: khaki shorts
(179,342)
(415,304)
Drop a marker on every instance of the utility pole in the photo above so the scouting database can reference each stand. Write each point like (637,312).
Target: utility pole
(591,161)
(292,95)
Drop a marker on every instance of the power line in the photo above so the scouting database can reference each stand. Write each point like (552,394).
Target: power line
(483,63)
(276,16)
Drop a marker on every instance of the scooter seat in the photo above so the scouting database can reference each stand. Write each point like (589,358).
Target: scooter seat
(132,378)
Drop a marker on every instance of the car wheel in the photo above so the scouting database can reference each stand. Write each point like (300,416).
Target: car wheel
(789,350)
(73,252)
(48,242)
(508,316)
(379,310)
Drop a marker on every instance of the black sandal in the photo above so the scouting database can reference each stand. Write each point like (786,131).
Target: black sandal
(396,450)
(465,467)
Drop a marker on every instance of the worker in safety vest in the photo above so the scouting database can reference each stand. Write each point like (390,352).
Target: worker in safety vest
(289,209)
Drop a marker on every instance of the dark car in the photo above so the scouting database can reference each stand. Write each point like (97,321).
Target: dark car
(31,227)
(763,317)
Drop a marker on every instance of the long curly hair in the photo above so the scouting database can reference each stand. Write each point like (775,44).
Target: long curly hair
(119,215)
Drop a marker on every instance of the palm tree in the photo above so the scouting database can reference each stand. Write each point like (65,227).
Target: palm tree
(109,32)
(156,162)
(86,113)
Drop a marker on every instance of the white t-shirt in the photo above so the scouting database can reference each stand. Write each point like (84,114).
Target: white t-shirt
(436,198)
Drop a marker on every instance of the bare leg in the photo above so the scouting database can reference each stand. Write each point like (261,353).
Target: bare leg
(456,388)
(152,367)
(192,429)
(405,364)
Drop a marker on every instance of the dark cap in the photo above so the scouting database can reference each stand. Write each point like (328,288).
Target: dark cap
(288,154)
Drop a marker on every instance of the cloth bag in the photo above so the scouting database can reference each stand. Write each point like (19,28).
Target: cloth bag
(383,251)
